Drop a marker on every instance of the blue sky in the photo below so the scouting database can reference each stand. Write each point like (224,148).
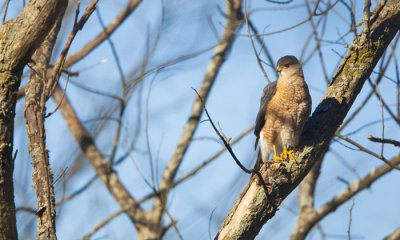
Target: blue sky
(234,102)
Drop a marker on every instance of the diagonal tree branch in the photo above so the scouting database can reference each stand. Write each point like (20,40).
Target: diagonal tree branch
(306,197)
(319,213)
(252,210)
(97,160)
(233,19)
(19,38)
(182,179)
(394,235)
(382,69)
(356,187)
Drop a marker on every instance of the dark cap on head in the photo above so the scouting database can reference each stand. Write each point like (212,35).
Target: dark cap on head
(286,61)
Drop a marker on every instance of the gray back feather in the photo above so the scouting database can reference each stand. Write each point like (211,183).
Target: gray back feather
(269,92)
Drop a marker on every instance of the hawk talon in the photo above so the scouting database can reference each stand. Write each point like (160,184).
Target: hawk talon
(288,154)
(277,158)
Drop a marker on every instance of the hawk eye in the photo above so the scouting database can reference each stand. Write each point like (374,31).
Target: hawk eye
(286,65)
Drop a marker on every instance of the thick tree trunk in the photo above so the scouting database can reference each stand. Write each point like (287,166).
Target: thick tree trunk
(254,207)
(18,40)
(9,83)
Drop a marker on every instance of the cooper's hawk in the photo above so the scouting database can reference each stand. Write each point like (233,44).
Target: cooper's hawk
(284,109)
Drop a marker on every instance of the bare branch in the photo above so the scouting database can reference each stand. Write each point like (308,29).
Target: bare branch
(5,10)
(344,196)
(394,235)
(103,223)
(384,140)
(124,91)
(176,183)
(52,82)
(313,14)
(361,148)
(102,36)
(221,50)
(246,18)
(34,120)
(379,96)
(356,187)
(95,157)
(350,219)
(306,199)
(223,138)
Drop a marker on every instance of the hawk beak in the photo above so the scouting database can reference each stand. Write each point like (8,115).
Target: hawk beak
(278,69)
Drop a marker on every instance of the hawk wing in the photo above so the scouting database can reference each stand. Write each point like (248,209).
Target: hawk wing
(269,92)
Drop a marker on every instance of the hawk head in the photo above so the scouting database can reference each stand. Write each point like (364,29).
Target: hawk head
(288,66)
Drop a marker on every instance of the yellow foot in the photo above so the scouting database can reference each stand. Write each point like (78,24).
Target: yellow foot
(276,158)
(287,154)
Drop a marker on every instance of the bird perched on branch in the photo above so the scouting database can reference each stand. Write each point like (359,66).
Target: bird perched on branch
(284,109)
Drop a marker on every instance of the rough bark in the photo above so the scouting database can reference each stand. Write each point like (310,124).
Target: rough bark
(394,236)
(19,38)
(9,83)
(34,119)
(254,207)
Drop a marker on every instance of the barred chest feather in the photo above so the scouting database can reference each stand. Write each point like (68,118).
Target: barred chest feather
(292,99)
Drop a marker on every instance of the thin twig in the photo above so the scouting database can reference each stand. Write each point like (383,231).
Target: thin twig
(176,183)
(279,2)
(384,140)
(314,13)
(360,147)
(271,62)
(350,219)
(102,224)
(246,18)
(379,96)
(123,91)
(101,37)
(62,98)
(232,24)
(237,161)
(58,66)
(5,10)
(223,139)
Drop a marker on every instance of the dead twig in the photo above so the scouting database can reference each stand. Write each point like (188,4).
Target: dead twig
(350,219)
(246,18)
(361,148)
(223,138)
(237,161)
(384,140)
(58,66)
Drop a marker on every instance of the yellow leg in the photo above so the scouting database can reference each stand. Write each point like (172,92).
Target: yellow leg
(287,154)
(276,157)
